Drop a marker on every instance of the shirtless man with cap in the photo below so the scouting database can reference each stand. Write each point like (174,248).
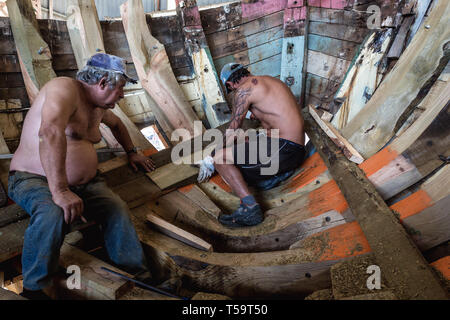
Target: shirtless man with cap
(271,102)
(54,177)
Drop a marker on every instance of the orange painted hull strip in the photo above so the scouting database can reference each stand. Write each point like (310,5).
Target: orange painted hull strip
(413,204)
(378,161)
(443,265)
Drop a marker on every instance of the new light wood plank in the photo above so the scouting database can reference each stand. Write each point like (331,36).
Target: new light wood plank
(96,284)
(177,233)
(362,79)
(375,125)
(334,135)
(154,71)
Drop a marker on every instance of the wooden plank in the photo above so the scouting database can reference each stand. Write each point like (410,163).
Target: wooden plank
(9,295)
(334,47)
(326,66)
(11,123)
(334,135)
(400,39)
(443,266)
(155,73)
(338,31)
(34,55)
(255,55)
(177,233)
(246,35)
(194,193)
(96,284)
(213,99)
(321,88)
(38,8)
(10,214)
(343,17)
(11,239)
(3,146)
(362,79)
(421,9)
(375,125)
(293,50)
(389,241)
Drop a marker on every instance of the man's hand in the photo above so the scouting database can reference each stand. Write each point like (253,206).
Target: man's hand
(206,169)
(71,204)
(137,159)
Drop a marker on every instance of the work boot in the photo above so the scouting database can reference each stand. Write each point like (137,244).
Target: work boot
(244,216)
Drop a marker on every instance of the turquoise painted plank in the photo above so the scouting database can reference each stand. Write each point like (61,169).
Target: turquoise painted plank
(333,47)
(252,55)
(269,35)
(267,67)
(265,51)
(292,56)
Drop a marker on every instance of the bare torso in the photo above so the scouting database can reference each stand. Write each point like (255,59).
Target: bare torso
(81,133)
(273,103)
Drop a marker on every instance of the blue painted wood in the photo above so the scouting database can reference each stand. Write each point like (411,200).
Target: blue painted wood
(268,67)
(268,35)
(293,52)
(252,55)
(333,47)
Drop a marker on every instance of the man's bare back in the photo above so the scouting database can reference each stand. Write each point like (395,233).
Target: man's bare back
(271,102)
(82,131)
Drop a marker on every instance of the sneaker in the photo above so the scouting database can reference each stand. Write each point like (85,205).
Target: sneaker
(243,217)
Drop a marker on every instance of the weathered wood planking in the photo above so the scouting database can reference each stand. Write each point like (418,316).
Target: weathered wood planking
(362,79)
(375,125)
(213,100)
(326,66)
(256,55)
(334,135)
(178,233)
(400,39)
(155,73)
(389,241)
(293,50)
(321,88)
(246,35)
(338,31)
(33,52)
(96,284)
(421,9)
(334,47)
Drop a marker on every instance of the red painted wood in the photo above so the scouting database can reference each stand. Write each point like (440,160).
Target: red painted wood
(330,4)
(294,14)
(262,8)
(295,3)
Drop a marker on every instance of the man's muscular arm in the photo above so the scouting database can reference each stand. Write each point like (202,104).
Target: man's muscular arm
(120,132)
(56,112)
(241,104)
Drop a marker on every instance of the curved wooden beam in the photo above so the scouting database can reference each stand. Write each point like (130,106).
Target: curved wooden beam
(153,68)
(375,125)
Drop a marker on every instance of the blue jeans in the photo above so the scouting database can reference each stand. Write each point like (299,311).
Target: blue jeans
(47,228)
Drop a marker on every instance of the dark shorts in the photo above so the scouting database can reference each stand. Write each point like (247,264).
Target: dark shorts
(263,159)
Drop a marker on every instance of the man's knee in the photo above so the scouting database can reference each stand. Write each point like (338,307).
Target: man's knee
(47,213)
